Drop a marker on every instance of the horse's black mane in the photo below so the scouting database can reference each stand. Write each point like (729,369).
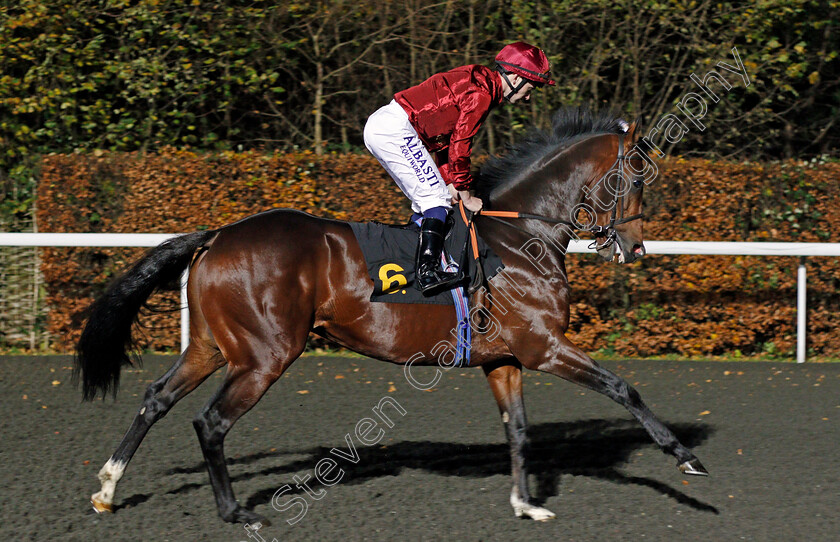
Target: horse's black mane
(568,125)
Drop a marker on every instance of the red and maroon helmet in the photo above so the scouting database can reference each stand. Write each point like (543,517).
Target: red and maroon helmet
(526,61)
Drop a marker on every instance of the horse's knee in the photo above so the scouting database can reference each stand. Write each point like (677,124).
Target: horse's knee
(631,395)
(620,391)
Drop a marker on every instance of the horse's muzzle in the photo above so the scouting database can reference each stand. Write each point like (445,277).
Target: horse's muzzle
(620,252)
(631,256)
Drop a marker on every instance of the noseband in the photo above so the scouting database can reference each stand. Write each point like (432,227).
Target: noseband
(616,218)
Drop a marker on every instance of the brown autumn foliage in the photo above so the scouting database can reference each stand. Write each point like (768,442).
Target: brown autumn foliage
(685,305)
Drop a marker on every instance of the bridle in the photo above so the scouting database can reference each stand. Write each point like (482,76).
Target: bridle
(616,218)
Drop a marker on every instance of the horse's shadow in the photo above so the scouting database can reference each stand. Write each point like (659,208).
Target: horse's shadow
(593,448)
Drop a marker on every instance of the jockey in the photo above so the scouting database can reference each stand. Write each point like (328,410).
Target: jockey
(440,117)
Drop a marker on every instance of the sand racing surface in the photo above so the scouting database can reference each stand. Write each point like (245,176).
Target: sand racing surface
(767,432)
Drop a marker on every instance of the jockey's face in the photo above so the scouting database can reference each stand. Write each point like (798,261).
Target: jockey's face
(524,93)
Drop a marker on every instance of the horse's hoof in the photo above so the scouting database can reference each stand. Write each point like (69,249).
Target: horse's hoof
(525,510)
(534,512)
(243,515)
(693,467)
(101,507)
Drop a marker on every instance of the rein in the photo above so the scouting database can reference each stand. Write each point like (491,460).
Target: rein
(609,230)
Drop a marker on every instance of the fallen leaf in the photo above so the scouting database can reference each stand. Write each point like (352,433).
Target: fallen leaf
(704,413)
(392,389)
(685,482)
(339,377)
(56,382)
(303,392)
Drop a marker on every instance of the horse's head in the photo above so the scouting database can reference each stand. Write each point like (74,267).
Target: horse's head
(587,173)
(613,200)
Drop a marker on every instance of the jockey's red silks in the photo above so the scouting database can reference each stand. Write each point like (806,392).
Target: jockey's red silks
(447,110)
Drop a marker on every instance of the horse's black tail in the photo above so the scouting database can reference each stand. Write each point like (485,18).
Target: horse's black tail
(106,339)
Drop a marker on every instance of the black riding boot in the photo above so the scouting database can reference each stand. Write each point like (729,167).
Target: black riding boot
(429,275)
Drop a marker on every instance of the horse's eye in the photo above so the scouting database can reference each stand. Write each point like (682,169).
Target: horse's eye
(637,183)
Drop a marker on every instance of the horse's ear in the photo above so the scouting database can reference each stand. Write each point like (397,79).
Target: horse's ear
(634,131)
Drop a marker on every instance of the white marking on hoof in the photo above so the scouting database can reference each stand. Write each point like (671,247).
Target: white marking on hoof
(109,475)
(505,417)
(523,509)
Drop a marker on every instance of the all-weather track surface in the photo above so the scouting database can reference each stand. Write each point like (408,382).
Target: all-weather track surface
(767,432)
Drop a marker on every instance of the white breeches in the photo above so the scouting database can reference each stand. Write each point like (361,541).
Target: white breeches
(390,137)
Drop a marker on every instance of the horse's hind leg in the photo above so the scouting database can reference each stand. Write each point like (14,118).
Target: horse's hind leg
(196,363)
(505,380)
(245,383)
(573,364)
(238,394)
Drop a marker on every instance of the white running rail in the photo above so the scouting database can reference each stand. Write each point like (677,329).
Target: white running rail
(711,248)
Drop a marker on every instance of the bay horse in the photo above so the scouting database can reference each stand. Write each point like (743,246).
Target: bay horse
(258,287)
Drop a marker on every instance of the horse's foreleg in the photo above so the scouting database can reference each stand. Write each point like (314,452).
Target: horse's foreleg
(195,364)
(505,379)
(573,364)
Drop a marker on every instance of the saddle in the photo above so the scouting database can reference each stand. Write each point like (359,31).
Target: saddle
(389,252)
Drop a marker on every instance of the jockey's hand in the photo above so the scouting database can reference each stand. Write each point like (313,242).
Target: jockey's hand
(471,202)
(454,193)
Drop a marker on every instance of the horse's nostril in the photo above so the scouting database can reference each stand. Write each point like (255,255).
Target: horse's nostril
(639,250)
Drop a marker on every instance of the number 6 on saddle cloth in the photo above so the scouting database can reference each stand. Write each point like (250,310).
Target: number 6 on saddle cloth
(389,252)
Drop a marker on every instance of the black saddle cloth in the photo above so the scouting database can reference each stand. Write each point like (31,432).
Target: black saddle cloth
(390,252)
